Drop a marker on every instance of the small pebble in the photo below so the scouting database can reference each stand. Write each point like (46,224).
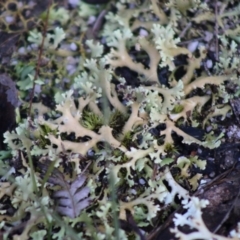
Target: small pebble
(192,46)
(208,36)
(91,20)
(209,63)
(22,50)
(9,19)
(209,128)
(142,181)
(90,153)
(212,174)
(73,46)
(73,3)
(143,33)
(133,191)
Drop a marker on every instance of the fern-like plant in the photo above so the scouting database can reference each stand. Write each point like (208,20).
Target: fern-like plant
(72,198)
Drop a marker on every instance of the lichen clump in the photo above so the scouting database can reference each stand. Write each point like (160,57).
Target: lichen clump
(108,141)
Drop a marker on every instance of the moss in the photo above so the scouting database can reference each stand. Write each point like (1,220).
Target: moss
(91,120)
(177,108)
(117,121)
(45,130)
(127,140)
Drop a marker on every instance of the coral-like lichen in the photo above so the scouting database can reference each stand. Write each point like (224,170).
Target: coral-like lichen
(113,117)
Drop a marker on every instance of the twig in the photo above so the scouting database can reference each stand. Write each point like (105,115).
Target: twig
(98,23)
(185,30)
(235,109)
(39,58)
(189,41)
(227,214)
(216,32)
(206,68)
(155,168)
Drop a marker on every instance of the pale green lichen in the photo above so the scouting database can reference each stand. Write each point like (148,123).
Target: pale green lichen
(105,126)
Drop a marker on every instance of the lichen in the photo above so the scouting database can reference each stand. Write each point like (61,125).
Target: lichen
(113,120)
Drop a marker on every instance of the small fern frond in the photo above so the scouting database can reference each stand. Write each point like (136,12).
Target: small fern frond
(73,198)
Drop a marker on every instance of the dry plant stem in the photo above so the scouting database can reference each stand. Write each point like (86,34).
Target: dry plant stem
(216,32)
(155,169)
(189,41)
(234,111)
(206,68)
(35,188)
(97,25)
(99,21)
(85,169)
(185,30)
(39,58)
(82,50)
(227,215)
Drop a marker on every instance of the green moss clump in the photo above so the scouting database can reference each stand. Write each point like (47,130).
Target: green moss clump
(91,120)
